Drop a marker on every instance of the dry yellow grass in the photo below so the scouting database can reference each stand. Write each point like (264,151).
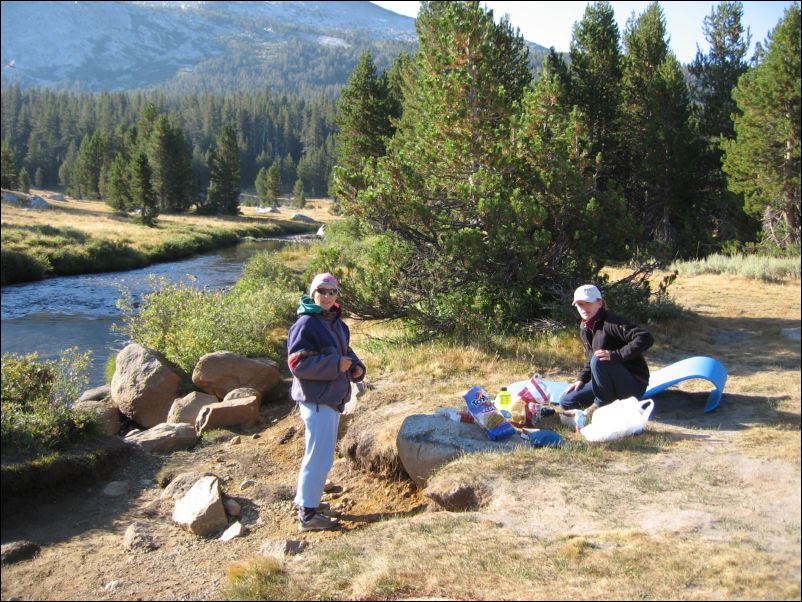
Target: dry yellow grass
(98,220)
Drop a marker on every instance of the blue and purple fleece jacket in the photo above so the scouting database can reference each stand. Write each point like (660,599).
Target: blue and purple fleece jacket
(315,343)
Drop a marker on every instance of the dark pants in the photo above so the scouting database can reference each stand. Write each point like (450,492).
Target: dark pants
(609,381)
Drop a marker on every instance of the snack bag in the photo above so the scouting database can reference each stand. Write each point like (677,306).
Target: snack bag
(540,399)
(485,413)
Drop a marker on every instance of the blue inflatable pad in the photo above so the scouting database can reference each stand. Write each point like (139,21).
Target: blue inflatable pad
(704,367)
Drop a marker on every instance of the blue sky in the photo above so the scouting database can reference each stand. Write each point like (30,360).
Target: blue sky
(551,23)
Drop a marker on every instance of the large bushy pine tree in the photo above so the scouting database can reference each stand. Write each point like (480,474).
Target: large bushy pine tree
(660,184)
(484,197)
(595,85)
(763,160)
(715,75)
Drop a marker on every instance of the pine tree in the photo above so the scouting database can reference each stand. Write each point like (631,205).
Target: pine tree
(716,73)
(38,177)
(261,186)
(595,85)
(660,183)
(224,173)
(715,76)
(362,116)
(24,180)
(66,168)
(8,171)
(169,157)
(763,160)
(473,199)
(273,182)
(93,155)
(142,194)
(118,194)
(298,194)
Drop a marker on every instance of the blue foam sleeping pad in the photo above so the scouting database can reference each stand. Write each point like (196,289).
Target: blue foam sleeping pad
(701,366)
(693,367)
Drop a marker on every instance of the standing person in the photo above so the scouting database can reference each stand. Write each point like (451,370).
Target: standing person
(616,368)
(323,366)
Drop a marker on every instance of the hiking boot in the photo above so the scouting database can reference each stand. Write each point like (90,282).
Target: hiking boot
(326,510)
(317,522)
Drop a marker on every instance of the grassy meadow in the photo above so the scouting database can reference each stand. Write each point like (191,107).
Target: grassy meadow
(79,236)
(700,506)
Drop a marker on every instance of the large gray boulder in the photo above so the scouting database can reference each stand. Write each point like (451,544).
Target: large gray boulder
(164,438)
(143,386)
(221,372)
(232,411)
(201,509)
(426,442)
(187,408)
(108,413)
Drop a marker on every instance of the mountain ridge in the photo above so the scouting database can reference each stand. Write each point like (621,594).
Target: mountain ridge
(288,47)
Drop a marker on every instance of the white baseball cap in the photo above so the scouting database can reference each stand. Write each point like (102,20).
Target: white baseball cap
(586,292)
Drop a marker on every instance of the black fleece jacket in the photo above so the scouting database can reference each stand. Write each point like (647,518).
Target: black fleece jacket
(626,342)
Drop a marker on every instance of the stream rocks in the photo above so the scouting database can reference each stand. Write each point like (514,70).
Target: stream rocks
(143,386)
(164,437)
(221,372)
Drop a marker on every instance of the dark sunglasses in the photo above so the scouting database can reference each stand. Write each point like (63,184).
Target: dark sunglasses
(331,292)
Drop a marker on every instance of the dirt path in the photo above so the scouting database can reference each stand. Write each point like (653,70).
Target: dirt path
(81,533)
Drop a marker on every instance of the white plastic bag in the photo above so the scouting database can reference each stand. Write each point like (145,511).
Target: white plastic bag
(619,419)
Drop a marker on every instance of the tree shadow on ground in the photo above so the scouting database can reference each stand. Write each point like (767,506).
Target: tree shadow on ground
(40,516)
(737,411)
(745,346)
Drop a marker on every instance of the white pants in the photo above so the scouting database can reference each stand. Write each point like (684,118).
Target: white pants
(321,423)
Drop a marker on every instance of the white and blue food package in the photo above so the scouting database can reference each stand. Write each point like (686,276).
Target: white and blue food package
(480,405)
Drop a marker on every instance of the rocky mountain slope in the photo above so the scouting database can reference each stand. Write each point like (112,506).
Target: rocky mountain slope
(293,47)
(124,45)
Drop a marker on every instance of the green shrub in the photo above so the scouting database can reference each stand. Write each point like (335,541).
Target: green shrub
(20,267)
(36,397)
(184,323)
(265,268)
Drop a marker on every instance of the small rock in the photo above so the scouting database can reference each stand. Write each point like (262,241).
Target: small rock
(116,489)
(235,530)
(255,436)
(232,507)
(235,440)
(282,547)
(329,487)
(112,585)
(247,483)
(137,537)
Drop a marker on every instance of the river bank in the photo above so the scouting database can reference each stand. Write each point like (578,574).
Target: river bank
(83,237)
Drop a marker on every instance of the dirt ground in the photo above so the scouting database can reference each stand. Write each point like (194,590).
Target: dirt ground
(81,533)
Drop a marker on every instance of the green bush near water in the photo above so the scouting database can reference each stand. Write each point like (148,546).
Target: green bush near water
(36,398)
(184,323)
